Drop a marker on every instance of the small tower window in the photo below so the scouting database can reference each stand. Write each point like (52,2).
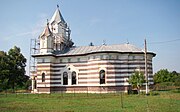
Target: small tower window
(73,78)
(65,78)
(102,77)
(43,77)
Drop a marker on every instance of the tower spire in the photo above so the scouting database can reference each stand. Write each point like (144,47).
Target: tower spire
(57,17)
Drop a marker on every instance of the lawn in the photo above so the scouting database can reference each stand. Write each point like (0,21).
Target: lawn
(165,102)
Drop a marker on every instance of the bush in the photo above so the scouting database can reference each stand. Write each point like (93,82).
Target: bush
(132,91)
(177,81)
(153,93)
(177,90)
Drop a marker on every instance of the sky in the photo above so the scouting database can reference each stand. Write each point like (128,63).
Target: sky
(112,21)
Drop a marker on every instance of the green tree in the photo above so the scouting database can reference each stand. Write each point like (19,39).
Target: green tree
(174,76)
(164,75)
(17,64)
(177,81)
(12,69)
(136,80)
(4,71)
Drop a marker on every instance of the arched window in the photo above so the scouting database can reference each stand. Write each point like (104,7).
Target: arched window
(102,77)
(43,77)
(73,78)
(65,78)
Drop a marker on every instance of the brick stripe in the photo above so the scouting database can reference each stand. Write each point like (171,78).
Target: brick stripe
(49,83)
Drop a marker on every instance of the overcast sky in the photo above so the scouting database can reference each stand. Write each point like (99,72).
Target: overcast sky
(115,21)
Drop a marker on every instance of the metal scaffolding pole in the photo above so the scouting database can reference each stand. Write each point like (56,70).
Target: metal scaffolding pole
(146,73)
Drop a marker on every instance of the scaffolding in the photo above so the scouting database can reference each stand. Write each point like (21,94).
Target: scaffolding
(34,49)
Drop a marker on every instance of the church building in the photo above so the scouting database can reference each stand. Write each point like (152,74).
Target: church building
(62,67)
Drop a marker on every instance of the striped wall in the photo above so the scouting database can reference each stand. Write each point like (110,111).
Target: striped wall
(117,69)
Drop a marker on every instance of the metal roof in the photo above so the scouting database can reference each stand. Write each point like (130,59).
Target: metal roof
(84,50)
(123,48)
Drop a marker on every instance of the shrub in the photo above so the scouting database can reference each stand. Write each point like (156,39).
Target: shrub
(153,93)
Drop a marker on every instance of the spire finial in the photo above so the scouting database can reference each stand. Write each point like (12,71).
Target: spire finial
(47,21)
(127,41)
(104,42)
(57,6)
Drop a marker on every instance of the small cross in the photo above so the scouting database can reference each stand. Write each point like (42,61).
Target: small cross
(57,6)
(47,21)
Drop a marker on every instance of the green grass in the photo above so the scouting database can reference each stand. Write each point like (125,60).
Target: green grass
(165,102)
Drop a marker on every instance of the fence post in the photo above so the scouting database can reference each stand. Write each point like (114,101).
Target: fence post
(121,100)
(87,91)
(38,92)
(61,93)
(147,104)
(6,92)
(16,91)
(74,91)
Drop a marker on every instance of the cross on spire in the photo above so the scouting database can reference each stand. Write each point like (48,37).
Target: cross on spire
(57,6)
(47,21)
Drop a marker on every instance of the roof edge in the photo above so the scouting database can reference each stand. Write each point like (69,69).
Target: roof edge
(54,55)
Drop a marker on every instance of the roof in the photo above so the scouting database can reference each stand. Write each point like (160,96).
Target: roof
(46,31)
(103,48)
(84,50)
(57,17)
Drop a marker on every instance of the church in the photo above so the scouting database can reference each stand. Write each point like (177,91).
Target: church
(63,67)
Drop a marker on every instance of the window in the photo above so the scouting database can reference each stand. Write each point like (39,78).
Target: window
(69,59)
(60,60)
(101,56)
(109,56)
(43,77)
(65,78)
(73,78)
(102,77)
(94,57)
(117,57)
(43,60)
(78,59)
(35,82)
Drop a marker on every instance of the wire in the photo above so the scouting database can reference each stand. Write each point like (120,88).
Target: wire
(162,42)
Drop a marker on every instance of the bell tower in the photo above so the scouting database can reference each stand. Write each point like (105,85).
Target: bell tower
(56,35)
(61,31)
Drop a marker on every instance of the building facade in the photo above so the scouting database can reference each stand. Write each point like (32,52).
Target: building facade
(62,67)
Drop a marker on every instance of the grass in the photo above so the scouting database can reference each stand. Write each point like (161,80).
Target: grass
(165,102)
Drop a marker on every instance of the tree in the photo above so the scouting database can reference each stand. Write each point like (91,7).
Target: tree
(12,69)
(4,71)
(17,64)
(136,80)
(164,75)
(177,81)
